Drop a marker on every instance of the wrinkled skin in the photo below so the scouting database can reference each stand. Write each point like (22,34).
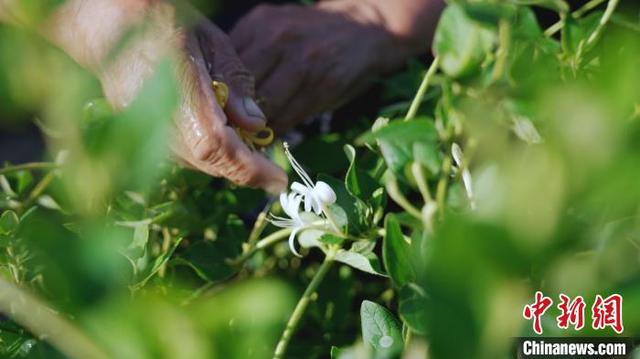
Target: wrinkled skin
(88,30)
(310,59)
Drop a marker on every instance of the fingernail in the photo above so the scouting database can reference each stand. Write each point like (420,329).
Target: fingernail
(252,109)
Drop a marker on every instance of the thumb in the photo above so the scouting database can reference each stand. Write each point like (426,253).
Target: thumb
(225,65)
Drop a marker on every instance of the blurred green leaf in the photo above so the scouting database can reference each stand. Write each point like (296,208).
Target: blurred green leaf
(412,307)
(560,6)
(489,13)
(9,222)
(24,180)
(396,253)
(140,239)
(461,43)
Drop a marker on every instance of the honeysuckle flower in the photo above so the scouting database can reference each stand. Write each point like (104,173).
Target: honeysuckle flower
(297,221)
(316,196)
(456,153)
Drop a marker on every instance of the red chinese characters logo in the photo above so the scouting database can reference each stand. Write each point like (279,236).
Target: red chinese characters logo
(604,312)
(572,312)
(536,310)
(608,313)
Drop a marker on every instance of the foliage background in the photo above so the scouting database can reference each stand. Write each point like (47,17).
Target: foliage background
(106,247)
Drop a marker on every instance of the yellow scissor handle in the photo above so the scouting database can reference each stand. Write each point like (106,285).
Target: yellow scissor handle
(221,90)
(261,138)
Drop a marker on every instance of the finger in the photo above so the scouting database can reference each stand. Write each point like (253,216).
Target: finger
(201,118)
(244,112)
(243,167)
(215,148)
(281,85)
(241,109)
(261,58)
(180,151)
(243,32)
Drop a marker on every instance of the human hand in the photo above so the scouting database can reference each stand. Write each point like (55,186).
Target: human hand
(203,138)
(208,143)
(311,59)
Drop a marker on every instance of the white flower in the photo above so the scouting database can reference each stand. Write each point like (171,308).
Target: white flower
(297,220)
(315,196)
(456,153)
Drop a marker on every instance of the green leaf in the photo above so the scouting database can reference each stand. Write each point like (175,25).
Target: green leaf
(24,180)
(418,129)
(337,353)
(575,32)
(461,43)
(396,253)
(160,261)
(368,263)
(380,330)
(339,215)
(402,142)
(209,258)
(330,239)
(358,213)
(347,353)
(489,13)
(358,182)
(412,308)
(428,155)
(140,238)
(560,6)
(526,25)
(9,221)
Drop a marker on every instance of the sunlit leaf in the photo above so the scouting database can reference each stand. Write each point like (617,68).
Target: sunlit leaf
(366,263)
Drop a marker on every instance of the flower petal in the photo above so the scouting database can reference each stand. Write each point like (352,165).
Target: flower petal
(292,243)
(323,192)
(456,153)
(299,188)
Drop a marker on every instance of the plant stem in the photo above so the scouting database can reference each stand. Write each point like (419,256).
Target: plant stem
(273,238)
(43,322)
(595,35)
(421,181)
(417,100)
(166,241)
(441,190)
(301,307)
(406,335)
(396,195)
(28,166)
(504,33)
(576,14)
(258,226)
(38,190)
